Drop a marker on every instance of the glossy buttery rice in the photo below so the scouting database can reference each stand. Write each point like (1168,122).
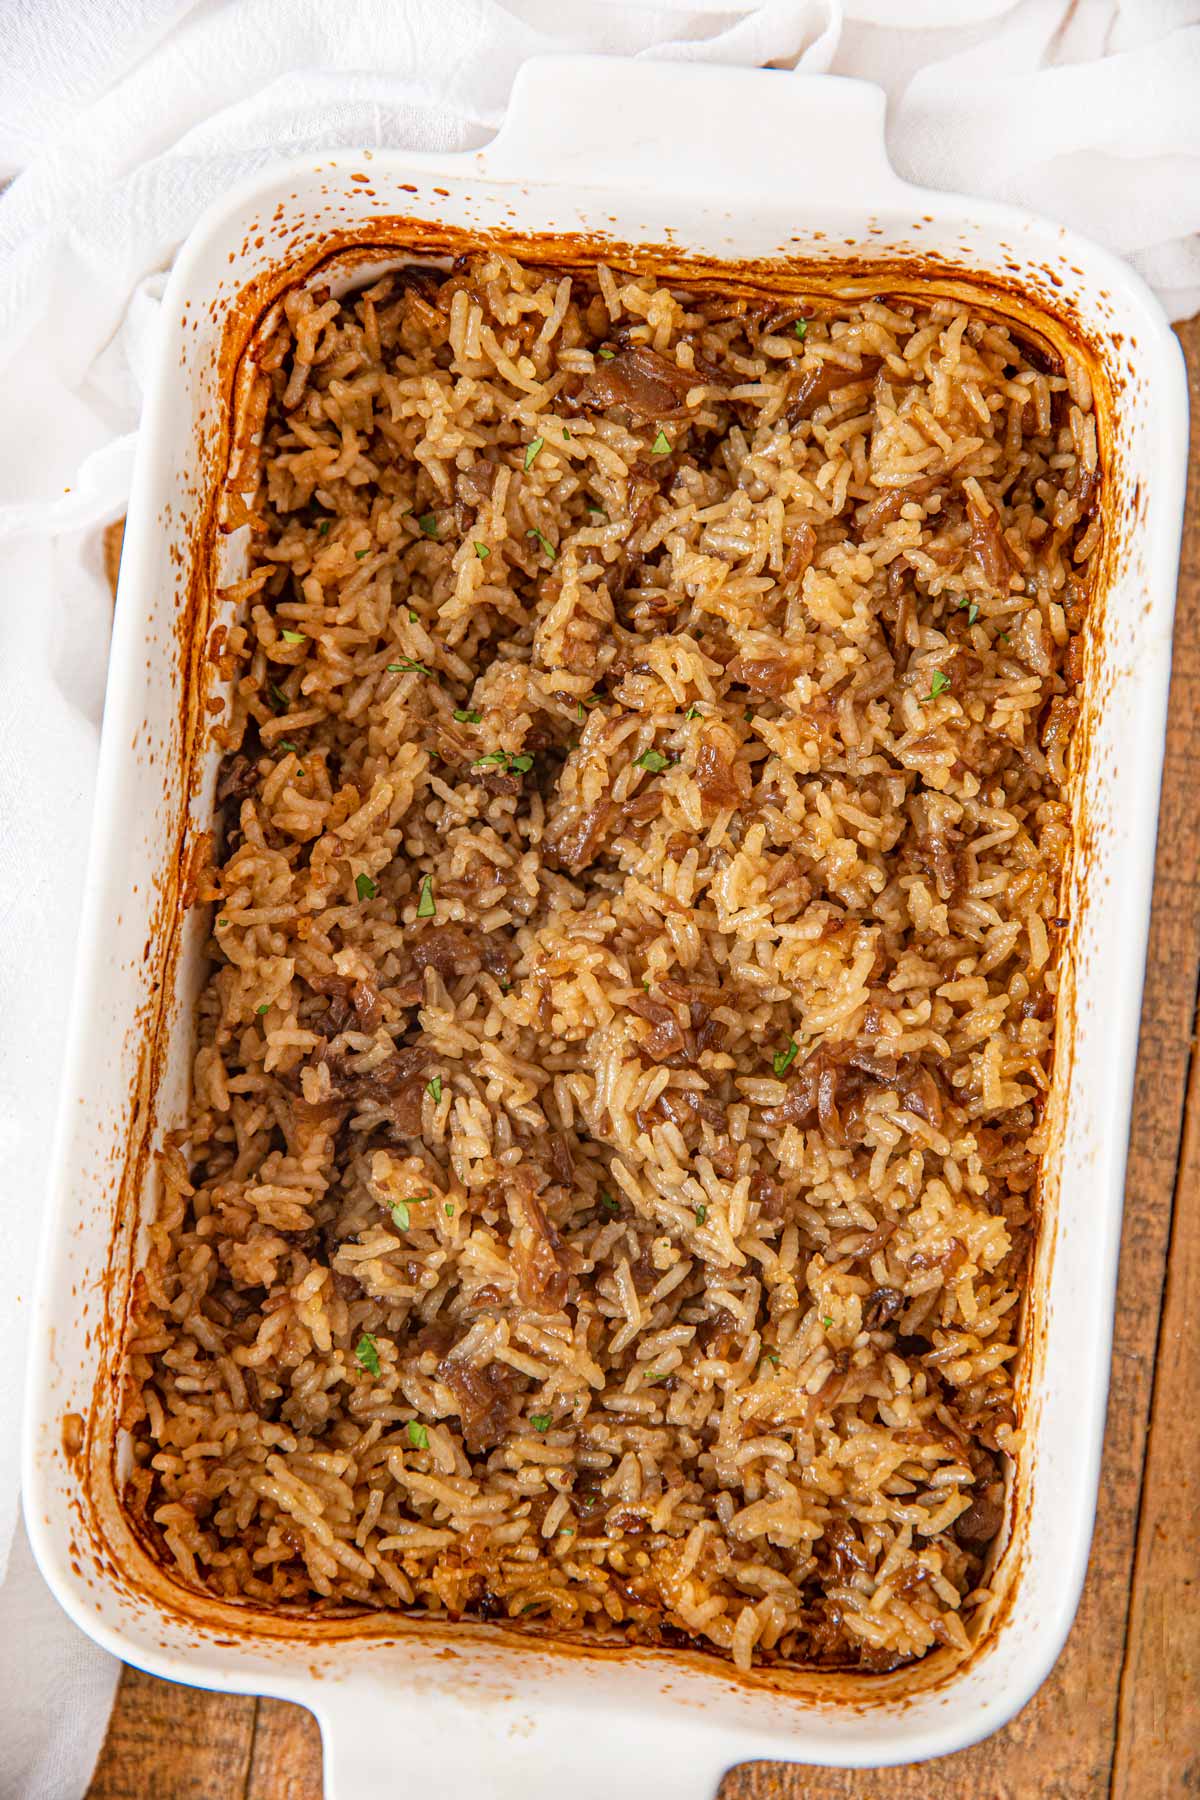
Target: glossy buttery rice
(609,1185)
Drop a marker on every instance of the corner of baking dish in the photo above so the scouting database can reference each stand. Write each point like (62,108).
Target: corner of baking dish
(597,153)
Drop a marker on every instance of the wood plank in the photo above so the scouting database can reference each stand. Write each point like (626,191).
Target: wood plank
(167,1742)
(1065,1745)
(286,1763)
(1158,1739)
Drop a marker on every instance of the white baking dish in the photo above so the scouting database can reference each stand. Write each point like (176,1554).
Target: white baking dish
(749,168)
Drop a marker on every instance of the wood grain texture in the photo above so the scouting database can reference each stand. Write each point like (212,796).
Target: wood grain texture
(1119,1715)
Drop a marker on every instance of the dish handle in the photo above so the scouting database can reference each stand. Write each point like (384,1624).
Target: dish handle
(380,1745)
(696,128)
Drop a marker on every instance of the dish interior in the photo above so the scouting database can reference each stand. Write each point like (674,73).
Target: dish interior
(627,1014)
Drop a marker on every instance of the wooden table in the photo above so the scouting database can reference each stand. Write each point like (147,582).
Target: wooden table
(1120,1715)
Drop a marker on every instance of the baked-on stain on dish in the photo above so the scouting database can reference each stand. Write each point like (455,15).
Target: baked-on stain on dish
(909,278)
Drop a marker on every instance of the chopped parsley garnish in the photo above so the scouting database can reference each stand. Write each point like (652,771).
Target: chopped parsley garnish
(514,765)
(567,1531)
(265,1007)
(801,329)
(661,445)
(609,1204)
(222,921)
(434,1089)
(408,667)
(533,452)
(597,512)
(773,1357)
(939,684)
(579,713)
(606,355)
(782,1060)
(399,1211)
(449,1209)
(425,906)
(466,717)
(540,1421)
(972,613)
(293,637)
(366,1355)
(412,617)
(654,760)
(323,528)
(359,554)
(701,1214)
(658,1375)
(364,887)
(566,433)
(827,1323)
(693,712)
(418,1437)
(482,552)
(748,714)
(280,698)
(547,546)
(428,524)
(290,747)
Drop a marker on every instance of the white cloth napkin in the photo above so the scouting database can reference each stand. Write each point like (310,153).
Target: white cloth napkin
(119,121)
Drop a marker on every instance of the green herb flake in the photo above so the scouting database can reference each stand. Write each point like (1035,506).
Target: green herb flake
(827,1323)
(654,760)
(408,667)
(567,1531)
(597,512)
(412,617)
(609,1204)
(293,637)
(323,528)
(418,1437)
(280,698)
(662,445)
(366,1355)
(428,524)
(533,452)
(1003,638)
(265,1007)
(505,759)
(434,1090)
(801,329)
(359,554)
(939,684)
(782,1060)
(467,717)
(290,747)
(222,921)
(657,1375)
(606,355)
(425,905)
(566,433)
(579,712)
(547,546)
(773,1357)
(748,715)
(701,1214)
(972,613)
(482,552)
(693,712)
(449,1209)
(399,1211)
(540,1421)
(364,887)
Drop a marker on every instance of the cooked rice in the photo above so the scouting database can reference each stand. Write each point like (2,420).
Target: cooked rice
(610,1179)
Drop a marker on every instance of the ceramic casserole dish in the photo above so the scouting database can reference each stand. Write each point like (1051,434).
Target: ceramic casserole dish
(786,181)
